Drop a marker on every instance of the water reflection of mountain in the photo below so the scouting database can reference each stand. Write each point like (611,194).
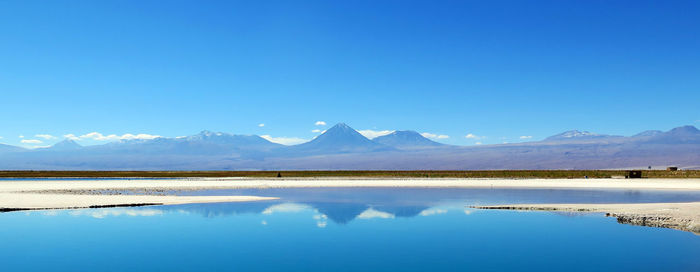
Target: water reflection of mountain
(402,211)
(342,205)
(221,209)
(338,212)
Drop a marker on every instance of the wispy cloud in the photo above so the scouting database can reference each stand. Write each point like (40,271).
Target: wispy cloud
(320,123)
(71,137)
(525,137)
(31,141)
(261,125)
(321,220)
(478,143)
(45,136)
(113,137)
(372,213)
(318,131)
(473,136)
(21,136)
(286,208)
(284,140)
(371,134)
(38,146)
(429,212)
(102,213)
(434,136)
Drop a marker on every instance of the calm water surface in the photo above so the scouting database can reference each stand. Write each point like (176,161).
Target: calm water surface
(360,229)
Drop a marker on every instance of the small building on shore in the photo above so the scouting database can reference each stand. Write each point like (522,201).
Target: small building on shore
(634,174)
(672,168)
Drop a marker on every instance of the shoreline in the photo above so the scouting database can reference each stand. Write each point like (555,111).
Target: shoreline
(503,174)
(242,183)
(42,201)
(71,194)
(683,216)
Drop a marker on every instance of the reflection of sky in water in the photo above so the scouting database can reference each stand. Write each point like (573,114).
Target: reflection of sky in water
(355,230)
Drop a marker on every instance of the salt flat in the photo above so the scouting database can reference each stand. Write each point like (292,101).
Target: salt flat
(225,183)
(682,216)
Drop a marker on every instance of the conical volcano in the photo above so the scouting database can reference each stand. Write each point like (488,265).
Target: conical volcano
(341,138)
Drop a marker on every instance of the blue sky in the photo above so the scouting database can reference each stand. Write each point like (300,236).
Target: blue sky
(494,69)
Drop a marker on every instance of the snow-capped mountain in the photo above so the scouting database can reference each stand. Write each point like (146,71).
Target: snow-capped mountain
(576,135)
(204,143)
(341,147)
(684,134)
(248,142)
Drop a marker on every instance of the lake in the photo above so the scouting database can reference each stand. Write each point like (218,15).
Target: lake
(350,229)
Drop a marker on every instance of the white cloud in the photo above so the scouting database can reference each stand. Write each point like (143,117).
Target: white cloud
(99,137)
(286,208)
(429,212)
(45,136)
(478,143)
(284,140)
(32,141)
(71,137)
(371,134)
(320,123)
(472,136)
(38,146)
(318,131)
(525,137)
(50,213)
(0,137)
(261,125)
(263,222)
(321,220)
(139,136)
(434,136)
(113,137)
(102,213)
(21,136)
(372,213)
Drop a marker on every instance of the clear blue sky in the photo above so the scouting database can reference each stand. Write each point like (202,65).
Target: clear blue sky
(499,69)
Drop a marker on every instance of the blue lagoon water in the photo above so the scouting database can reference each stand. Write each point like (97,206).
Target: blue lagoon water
(341,229)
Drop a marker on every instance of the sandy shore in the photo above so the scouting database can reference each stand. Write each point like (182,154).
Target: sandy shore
(36,201)
(54,194)
(681,216)
(205,183)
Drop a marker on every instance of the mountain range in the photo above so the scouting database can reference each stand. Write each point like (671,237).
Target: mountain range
(342,147)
